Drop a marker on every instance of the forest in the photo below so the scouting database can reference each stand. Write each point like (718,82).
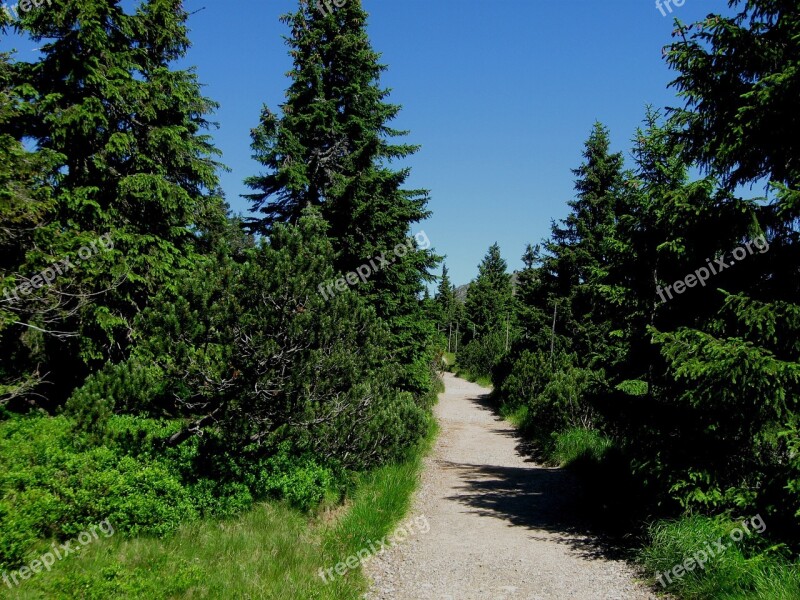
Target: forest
(236,401)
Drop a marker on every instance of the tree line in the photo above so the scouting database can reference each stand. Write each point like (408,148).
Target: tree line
(193,368)
(655,331)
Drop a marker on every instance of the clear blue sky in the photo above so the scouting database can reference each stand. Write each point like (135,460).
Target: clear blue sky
(500,94)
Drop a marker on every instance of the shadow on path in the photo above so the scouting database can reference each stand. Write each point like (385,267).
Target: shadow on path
(525,448)
(535,497)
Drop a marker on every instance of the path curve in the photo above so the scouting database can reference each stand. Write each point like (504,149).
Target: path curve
(501,527)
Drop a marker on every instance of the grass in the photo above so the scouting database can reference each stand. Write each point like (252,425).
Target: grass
(449,358)
(579,445)
(518,416)
(482,380)
(745,570)
(272,551)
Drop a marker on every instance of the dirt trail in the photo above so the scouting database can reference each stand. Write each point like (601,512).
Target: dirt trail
(501,527)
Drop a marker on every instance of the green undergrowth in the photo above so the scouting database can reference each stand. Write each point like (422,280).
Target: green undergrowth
(579,446)
(55,485)
(449,360)
(746,569)
(482,380)
(273,550)
(258,532)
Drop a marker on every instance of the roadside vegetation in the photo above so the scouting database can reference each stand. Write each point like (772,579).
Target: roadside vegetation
(271,550)
(189,385)
(651,342)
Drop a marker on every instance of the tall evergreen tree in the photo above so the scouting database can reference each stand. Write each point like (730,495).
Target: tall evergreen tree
(663,232)
(26,205)
(490,298)
(446,299)
(739,370)
(134,163)
(533,299)
(331,147)
(579,253)
(738,76)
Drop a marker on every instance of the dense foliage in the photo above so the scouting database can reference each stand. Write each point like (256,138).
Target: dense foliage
(162,360)
(184,363)
(331,147)
(659,321)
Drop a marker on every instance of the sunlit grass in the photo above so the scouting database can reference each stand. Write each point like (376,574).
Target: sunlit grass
(482,380)
(272,551)
(743,571)
(579,445)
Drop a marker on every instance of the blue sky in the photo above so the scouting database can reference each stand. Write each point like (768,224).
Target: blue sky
(500,94)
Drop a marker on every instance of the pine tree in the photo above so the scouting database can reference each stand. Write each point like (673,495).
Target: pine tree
(490,298)
(663,232)
(257,361)
(445,300)
(579,253)
(739,369)
(738,76)
(739,85)
(532,298)
(135,163)
(26,205)
(330,147)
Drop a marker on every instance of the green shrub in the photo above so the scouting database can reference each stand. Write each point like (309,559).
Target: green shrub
(53,488)
(221,498)
(290,390)
(129,386)
(481,354)
(563,401)
(49,488)
(301,481)
(545,402)
(249,352)
(526,379)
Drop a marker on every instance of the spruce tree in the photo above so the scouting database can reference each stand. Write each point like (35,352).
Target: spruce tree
(26,206)
(445,300)
(259,364)
(134,163)
(738,76)
(331,147)
(533,300)
(490,298)
(739,369)
(579,253)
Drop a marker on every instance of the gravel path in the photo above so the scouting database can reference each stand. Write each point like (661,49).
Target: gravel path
(501,527)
